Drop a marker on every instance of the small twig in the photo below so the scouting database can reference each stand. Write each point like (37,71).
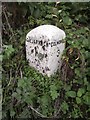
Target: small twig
(57,112)
(41,115)
(8,22)
(21,73)
(10,78)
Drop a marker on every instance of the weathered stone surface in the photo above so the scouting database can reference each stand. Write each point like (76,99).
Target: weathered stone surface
(44,47)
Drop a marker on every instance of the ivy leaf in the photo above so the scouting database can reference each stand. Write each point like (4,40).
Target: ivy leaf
(53,91)
(22,83)
(17,96)
(78,100)
(85,81)
(64,107)
(88,87)
(37,13)
(31,9)
(67,20)
(28,98)
(78,72)
(86,98)
(8,49)
(80,92)
(67,87)
(49,16)
(44,100)
(71,94)
(54,94)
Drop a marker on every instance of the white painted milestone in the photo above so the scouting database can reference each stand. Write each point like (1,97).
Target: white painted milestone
(44,48)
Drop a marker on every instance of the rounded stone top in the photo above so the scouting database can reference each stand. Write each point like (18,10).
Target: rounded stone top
(48,30)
